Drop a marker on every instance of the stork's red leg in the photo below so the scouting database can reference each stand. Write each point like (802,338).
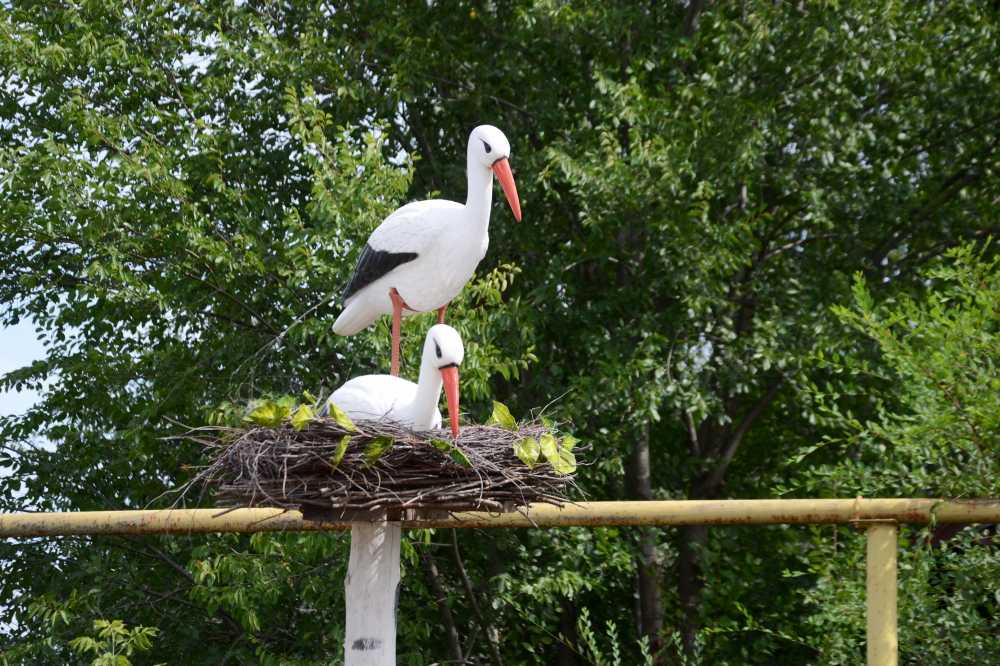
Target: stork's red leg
(441,311)
(397,318)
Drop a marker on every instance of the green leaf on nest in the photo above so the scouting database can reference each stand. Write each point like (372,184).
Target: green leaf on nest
(527,450)
(502,417)
(558,454)
(269,413)
(568,442)
(564,463)
(338,454)
(460,458)
(377,447)
(285,403)
(453,451)
(301,416)
(549,446)
(342,419)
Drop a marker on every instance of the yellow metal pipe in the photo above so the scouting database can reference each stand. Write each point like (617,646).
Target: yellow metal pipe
(587,514)
(883,647)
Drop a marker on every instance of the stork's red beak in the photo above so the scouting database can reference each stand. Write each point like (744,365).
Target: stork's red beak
(502,170)
(450,377)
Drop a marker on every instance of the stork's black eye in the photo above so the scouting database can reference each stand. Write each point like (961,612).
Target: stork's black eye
(487,146)
(437,349)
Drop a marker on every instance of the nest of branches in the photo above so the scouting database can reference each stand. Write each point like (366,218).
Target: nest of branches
(373,468)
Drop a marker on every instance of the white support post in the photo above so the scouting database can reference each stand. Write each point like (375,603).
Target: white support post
(371,594)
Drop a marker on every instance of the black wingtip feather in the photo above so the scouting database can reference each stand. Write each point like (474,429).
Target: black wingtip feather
(374,264)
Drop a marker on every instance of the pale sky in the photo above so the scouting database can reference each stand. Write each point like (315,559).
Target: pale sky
(18,347)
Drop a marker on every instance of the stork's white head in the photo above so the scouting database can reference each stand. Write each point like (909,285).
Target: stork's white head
(443,347)
(489,147)
(444,351)
(487,144)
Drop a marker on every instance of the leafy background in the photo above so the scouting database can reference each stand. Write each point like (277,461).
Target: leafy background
(755,262)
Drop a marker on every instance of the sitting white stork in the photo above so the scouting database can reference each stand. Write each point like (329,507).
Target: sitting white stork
(386,397)
(422,255)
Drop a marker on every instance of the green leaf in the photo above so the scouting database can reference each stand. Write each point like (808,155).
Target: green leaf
(458,456)
(568,442)
(302,416)
(106,629)
(342,419)
(338,454)
(84,644)
(559,453)
(377,447)
(502,417)
(564,463)
(453,452)
(527,450)
(286,404)
(267,413)
(549,447)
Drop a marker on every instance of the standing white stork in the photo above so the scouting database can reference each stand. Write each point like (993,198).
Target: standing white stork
(376,397)
(422,255)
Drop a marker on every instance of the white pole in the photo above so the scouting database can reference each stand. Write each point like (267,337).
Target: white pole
(371,594)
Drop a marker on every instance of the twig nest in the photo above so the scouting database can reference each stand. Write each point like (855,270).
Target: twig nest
(330,467)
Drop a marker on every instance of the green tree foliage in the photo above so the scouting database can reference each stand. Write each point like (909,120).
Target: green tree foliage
(938,431)
(932,430)
(184,189)
(115,643)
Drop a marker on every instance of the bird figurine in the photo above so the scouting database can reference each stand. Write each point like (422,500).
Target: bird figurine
(387,397)
(422,255)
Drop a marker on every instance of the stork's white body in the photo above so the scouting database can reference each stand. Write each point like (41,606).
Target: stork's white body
(388,398)
(448,238)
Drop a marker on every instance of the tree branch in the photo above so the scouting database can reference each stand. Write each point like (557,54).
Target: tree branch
(491,632)
(150,550)
(694,10)
(714,478)
(692,435)
(908,221)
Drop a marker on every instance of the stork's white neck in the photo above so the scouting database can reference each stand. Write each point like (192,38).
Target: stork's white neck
(428,395)
(480,196)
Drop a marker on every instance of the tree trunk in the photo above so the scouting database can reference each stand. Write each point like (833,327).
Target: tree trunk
(690,582)
(566,654)
(718,446)
(692,539)
(441,598)
(647,563)
(695,8)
